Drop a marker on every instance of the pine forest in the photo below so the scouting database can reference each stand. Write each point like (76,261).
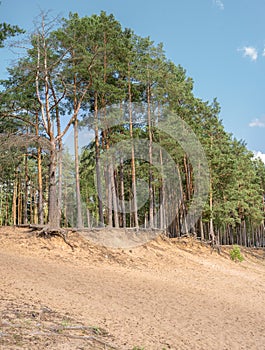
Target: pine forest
(156,156)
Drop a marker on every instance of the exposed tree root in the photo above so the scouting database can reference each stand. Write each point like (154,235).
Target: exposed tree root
(47,231)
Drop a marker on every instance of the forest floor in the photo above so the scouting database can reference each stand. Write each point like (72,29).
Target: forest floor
(166,294)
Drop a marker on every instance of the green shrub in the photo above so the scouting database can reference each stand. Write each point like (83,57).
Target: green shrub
(235,254)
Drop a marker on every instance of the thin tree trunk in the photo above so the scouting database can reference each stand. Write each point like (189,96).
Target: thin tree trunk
(26,188)
(7,210)
(40,184)
(14,201)
(115,199)
(97,156)
(112,196)
(162,193)
(88,218)
(53,215)
(35,206)
(122,194)
(40,189)
(108,178)
(181,207)
(19,201)
(151,195)
(31,207)
(65,207)
(60,170)
(77,178)
(211,228)
(201,229)
(134,189)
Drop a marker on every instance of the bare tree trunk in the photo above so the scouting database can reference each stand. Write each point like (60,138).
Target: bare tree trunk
(212,235)
(65,211)
(151,195)
(122,194)
(211,232)
(201,229)
(108,176)
(134,189)
(60,170)
(211,229)
(53,217)
(35,206)
(40,184)
(25,201)
(14,202)
(88,218)
(31,207)
(188,175)
(7,210)
(19,201)
(77,179)
(114,197)
(162,194)
(182,209)
(97,156)
(40,189)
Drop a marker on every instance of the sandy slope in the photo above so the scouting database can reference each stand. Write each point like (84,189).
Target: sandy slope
(165,295)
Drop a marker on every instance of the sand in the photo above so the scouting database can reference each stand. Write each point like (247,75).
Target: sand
(166,294)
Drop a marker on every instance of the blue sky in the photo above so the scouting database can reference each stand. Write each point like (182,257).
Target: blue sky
(220,43)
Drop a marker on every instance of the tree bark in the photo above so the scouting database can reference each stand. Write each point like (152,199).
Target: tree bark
(53,215)
(122,194)
(14,202)
(151,194)
(97,156)
(114,197)
(134,189)
(77,179)
(26,188)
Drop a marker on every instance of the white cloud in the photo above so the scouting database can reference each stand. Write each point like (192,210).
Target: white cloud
(251,52)
(258,123)
(219,4)
(258,154)
(263,53)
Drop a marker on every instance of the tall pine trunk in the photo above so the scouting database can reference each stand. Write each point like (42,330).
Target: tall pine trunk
(40,184)
(14,201)
(122,194)
(181,207)
(113,195)
(162,192)
(77,178)
(97,156)
(151,194)
(26,189)
(211,228)
(134,189)
(40,188)
(53,215)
